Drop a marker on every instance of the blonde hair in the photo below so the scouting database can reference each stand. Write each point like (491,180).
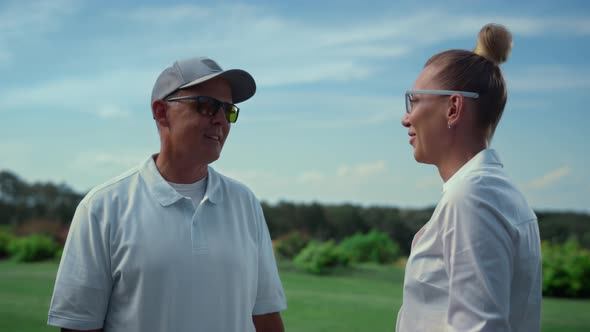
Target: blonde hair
(494,42)
(479,71)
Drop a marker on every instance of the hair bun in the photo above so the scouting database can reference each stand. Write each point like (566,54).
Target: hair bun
(494,42)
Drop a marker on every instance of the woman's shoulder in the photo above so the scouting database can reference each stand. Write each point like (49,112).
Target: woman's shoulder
(487,197)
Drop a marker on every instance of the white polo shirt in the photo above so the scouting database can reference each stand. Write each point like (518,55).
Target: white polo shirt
(476,264)
(140,257)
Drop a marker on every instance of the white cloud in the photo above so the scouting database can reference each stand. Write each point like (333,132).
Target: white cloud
(363,182)
(152,15)
(549,78)
(27,21)
(549,178)
(112,112)
(311,177)
(82,94)
(99,160)
(113,69)
(466,25)
(357,172)
(343,170)
(254,176)
(549,25)
(429,182)
(5,57)
(283,51)
(313,73)
(279,51)
(10,148)
(104,165)
(362,170)
(324,110)
(377,51)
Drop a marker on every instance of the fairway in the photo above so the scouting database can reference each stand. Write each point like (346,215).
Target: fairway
(363,299)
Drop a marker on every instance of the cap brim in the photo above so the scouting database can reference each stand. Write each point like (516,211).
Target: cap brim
(242,84)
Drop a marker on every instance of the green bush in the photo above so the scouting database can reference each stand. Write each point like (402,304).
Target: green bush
(58,254)
(373,247)
(291,245)
(33,248)
(320,258)
(566,270)
(5,239)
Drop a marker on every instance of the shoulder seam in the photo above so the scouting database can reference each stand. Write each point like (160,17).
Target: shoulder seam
(111,182)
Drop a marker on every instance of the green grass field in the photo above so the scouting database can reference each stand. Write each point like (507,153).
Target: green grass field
(363,299)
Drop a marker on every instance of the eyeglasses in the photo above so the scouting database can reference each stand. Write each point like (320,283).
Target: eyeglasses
(410,95)
(210,106)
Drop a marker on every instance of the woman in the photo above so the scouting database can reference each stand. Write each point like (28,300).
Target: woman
(476,264)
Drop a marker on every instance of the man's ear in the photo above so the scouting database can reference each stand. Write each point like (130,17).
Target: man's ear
(455,110)
(160,112)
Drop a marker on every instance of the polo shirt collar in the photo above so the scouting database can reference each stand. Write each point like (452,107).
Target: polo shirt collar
(486,157)
(166,194)
(213,193)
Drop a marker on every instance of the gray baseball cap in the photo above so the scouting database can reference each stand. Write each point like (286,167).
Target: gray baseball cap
(189,72)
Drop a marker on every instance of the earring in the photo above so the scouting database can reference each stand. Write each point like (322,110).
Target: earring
(450,126)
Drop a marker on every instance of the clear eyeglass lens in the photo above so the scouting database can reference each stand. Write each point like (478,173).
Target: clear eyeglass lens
(408,103)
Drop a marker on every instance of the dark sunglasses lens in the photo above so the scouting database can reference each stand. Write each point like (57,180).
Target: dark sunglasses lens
(210,106)
(207,106)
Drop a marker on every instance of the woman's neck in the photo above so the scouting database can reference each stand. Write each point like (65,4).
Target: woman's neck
(456,158)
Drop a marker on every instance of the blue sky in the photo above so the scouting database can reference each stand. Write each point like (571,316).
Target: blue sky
(76,78)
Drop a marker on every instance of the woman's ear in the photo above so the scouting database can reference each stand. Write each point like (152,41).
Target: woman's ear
(455,110)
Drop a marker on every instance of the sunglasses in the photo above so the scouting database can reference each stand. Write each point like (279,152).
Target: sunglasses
(210,106)
(410,95)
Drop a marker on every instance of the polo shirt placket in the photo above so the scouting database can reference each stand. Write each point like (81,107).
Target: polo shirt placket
(198,227)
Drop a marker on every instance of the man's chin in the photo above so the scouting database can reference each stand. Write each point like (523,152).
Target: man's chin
(213,157)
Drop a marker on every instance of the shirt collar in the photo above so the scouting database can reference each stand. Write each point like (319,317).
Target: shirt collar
(166,194)
(485,157)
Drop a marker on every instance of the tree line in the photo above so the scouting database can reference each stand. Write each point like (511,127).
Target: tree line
(22,203)
(336,222)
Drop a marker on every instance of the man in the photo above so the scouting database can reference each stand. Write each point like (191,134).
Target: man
(172,245)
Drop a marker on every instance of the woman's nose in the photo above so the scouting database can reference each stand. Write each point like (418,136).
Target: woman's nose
(406,120)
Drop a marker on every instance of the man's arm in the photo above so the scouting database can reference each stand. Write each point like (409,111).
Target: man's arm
(268,322)
(83,284)
(270,297)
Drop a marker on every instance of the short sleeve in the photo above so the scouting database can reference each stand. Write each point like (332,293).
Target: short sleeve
(270,296)
(478,257)
(83,284)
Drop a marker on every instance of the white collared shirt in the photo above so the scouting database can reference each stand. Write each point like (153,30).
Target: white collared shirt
(140,257)
(476,264)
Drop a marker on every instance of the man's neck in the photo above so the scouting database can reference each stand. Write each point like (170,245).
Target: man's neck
(180,170)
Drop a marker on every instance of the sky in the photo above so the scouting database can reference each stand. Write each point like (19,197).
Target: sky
(325,123)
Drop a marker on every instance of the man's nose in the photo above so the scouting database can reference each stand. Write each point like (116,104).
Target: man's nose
(220,117)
